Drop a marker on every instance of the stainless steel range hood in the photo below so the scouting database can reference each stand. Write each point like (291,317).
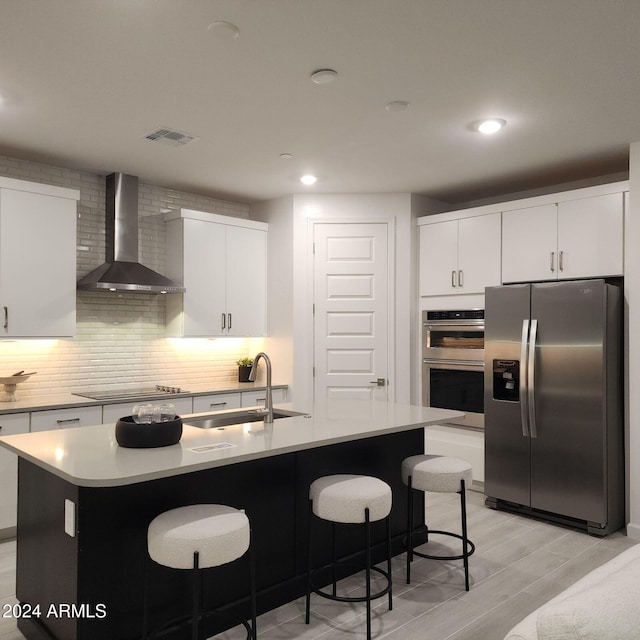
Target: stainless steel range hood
(122,271)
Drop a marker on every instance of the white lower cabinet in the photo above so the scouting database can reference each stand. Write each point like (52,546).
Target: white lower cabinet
(252,398)
(10,424)
(112,412)
(216,402)
(65,418)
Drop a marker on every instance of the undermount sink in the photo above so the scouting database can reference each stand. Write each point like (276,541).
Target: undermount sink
(214,420)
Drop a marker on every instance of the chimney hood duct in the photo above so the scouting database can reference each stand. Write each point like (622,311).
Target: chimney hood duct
(122,271)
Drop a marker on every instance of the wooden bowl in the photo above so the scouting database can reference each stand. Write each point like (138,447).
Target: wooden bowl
(145,436)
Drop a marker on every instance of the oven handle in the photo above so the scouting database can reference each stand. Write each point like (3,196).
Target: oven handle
(455,325)
(524,349)
(467,363)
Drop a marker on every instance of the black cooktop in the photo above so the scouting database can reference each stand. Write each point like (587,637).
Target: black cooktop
(128,394)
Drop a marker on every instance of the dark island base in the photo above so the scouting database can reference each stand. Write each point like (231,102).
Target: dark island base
(101,569)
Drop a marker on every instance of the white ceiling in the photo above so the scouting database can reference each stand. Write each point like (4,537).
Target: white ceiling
(83,81)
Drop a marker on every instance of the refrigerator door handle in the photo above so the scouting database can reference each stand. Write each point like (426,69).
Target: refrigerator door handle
(524,414)
(531,378)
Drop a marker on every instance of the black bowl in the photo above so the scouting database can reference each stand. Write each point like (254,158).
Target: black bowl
(144,436)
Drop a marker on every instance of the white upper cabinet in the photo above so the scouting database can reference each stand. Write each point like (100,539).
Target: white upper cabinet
(529,243)
(37,260)
(222,262)
(591,237)
(460,256)
(578,238)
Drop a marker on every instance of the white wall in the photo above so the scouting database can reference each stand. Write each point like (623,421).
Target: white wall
(632,292)
(278,344)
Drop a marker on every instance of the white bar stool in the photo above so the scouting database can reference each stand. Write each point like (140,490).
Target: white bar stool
(350,499)
(198,537)
(440,474)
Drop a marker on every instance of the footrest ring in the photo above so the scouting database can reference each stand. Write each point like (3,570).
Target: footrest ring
(337,598)
(472,547)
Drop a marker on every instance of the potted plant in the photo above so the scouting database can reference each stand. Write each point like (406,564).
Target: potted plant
(244,369)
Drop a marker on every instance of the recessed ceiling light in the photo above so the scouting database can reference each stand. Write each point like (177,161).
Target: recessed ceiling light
(322,76)
(286,156)
(223,30)
(491,125)
(397,105)
(308,179)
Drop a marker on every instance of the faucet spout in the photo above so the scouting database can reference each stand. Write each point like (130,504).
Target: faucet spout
(268,400)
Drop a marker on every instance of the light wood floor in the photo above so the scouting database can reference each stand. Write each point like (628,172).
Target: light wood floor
(518,565)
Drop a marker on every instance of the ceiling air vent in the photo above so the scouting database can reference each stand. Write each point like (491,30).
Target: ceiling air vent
(171,137)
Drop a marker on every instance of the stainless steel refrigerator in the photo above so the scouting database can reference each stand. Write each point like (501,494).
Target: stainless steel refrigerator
(553,406)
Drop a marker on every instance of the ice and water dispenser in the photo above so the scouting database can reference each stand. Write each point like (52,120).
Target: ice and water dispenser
(506,380)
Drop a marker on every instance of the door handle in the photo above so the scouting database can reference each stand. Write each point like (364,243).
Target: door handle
(229,321)
(380,382)
(223,322)
(453,279)
(531,378)
(6,319)
(561,261)
(460,281)
(552,263)
(524,343)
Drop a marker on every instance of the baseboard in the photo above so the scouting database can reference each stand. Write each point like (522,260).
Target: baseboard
(8,534)
(478,486)
(633,531)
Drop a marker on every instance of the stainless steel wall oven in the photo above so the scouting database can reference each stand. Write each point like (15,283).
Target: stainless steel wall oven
(453,363)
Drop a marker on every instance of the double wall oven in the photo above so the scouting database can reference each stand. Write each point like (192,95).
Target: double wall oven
(453,363)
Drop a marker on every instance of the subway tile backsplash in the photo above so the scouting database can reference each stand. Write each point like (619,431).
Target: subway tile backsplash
(120,340)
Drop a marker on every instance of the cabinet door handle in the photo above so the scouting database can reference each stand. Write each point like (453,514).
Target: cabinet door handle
(217,404)
(224,321)
(561,261)
(229,322)
(6,319)
(260,399)
(460,281)
(68,421)
(453,278)
(552,263)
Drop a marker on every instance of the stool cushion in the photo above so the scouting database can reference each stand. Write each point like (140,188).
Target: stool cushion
(343,498)
(219,534)
(436,473)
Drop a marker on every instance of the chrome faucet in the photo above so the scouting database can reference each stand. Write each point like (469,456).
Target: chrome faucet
(268,401)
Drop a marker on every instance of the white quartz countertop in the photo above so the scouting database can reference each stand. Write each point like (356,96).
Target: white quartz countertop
(91,457)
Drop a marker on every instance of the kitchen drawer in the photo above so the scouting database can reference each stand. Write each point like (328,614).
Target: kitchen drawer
(10,424)
(112,412)
(216,402)
(64,418)
(252,398)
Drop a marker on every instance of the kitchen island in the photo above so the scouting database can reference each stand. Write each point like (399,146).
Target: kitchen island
(85,503)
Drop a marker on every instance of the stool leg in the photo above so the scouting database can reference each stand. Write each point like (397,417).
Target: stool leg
(145,601)
(409,529)
(367,529)
(465,546)
(252,586)
(333,558)
(389,561)
(196,596)
(308,602)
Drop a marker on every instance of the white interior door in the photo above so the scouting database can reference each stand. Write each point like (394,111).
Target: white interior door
(351,324)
